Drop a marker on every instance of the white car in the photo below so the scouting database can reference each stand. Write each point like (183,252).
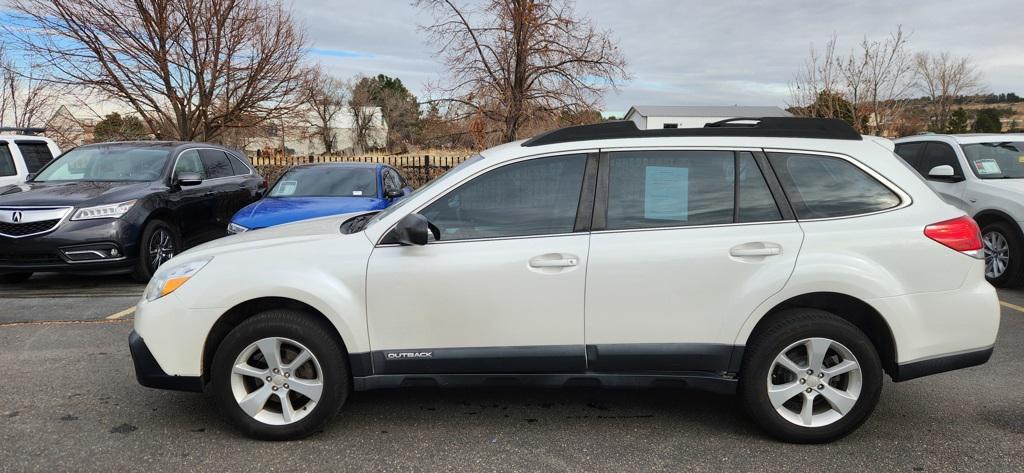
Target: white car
(992,192)
(21,155)
(791,261)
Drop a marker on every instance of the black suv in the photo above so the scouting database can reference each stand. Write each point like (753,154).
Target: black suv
(121,207)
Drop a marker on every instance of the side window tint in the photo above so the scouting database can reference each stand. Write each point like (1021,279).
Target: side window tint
(756,203)
(35,153)
(188,161)
(649,189)
(911,153)
(534,197)
(215,163)
(237,167)
(6,161)
(823,186)
(938,154)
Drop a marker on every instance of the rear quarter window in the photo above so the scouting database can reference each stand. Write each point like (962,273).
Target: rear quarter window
(825,186)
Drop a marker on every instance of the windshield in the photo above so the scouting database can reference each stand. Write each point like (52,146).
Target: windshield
(443,178)
(107,163)
(996,160)
(326,181)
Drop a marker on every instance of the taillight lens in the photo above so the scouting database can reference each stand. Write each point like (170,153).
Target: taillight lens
(961,234)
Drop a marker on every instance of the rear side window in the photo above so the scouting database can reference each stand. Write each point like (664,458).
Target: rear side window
(6,161)
(534,197)
(651,189)
(35,153)
(216,163)
(237,167)
(824,186)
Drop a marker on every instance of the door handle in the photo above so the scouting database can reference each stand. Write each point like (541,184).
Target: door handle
(540,262)
(768,250)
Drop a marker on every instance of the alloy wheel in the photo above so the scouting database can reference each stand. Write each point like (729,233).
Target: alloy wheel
(277,381)
(997,254)
(161,247)
(814,382)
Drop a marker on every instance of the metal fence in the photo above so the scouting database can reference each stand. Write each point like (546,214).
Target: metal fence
(418,168)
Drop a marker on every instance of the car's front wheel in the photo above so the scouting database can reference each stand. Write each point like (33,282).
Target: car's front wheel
(280,375)
(1003,265)
(810,377)
(160,242)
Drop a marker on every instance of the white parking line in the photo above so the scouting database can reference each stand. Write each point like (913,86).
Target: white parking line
(1012,306)
(123,313)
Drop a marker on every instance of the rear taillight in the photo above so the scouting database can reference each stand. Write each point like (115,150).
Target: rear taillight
(961,234)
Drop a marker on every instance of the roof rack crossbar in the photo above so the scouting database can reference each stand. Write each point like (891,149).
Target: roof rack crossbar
(769,127)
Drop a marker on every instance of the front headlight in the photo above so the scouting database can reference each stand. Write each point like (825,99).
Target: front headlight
(103,211)
(236,228)
(168,281)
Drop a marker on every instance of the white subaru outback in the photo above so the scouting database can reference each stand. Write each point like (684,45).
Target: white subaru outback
(791,261)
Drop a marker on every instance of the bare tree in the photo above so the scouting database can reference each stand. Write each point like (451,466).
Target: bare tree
(190,69)
(942,78)
(817,90)
(364,116)
(25,99)
(888,79)
(514,60)
(324,97)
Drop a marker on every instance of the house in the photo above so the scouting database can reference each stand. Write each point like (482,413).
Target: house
(657,116)
(69,131)
(301,138)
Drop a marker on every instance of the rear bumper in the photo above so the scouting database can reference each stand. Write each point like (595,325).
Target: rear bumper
(941,364)
(151,375)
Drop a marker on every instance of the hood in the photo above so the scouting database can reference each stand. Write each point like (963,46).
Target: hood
(306,230)
(72,194)
(271,211)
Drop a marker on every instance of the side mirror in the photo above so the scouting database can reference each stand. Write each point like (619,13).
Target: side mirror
(412,230)
(186,179)
(394,193)
(944,172)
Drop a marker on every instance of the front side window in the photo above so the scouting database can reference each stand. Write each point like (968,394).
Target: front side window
(189,161)
(6,161)
(648,189)
(35,153)
(533,197)
(825,186)
(939,154)
(107,163)
(326,181)
(390,180)
(910,152)
(996,160)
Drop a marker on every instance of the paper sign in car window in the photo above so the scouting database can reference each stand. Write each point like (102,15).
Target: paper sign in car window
(1020,159)
(987,166)
(287,188)
(357,192)
(666,193)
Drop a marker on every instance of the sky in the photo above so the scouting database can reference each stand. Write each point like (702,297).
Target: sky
(684,52)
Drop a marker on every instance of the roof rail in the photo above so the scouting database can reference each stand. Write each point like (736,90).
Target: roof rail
(29,131)
(769,127)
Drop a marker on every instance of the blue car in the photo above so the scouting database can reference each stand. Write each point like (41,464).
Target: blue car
(319,190)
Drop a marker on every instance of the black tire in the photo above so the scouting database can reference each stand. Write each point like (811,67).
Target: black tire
(317,336)
(14,278)
(791,326)
(1013,275)
(145,266)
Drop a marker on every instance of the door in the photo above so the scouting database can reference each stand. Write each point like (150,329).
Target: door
(229,191)
(194,205)
(950,189)
(502,291)
(680,255)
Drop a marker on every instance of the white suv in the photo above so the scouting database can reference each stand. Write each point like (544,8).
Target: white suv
(992,192)
(22,155)
(789,260)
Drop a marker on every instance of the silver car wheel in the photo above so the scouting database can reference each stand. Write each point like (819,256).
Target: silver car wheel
(277,381)
(997,254)
(814,382)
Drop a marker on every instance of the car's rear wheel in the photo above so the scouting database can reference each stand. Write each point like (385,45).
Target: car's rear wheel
(160,242)
(280,375)
(14,278)
(1003,266)
(810,377)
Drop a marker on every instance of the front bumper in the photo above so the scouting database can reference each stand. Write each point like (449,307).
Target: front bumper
(68,248)
(151,375)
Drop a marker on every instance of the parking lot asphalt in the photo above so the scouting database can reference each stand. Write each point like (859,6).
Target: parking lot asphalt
(69,401)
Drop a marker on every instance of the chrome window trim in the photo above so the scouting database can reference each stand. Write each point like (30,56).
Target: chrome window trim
(67,214)
(905,199)
(252,172)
